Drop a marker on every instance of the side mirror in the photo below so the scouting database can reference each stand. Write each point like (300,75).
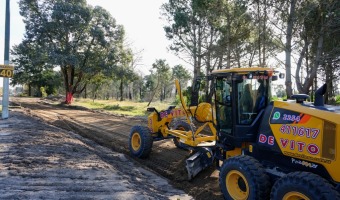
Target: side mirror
(274,78)
(281,75)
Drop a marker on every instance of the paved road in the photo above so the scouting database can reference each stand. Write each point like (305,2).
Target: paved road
(40,161)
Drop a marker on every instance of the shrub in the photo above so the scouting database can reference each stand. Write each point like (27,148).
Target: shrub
(337,99)
(43,92)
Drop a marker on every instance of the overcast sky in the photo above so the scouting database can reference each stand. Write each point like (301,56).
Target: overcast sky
(140,18)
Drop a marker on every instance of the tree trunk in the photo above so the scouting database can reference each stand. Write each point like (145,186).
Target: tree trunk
(298,78)
(85,94)
(140,93)
(288,49)
(68,74)
(329,80)
(29,90)
(317,62)
(154,92)
(121,90)
(130,90)
(264,34)
(259,29)
(197,66)
(228,39)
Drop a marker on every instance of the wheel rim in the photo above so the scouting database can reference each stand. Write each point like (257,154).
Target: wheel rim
(295,196)
(135,141)
(237,185)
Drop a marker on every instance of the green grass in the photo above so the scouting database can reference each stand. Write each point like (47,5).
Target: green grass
(130,108)
(337,99)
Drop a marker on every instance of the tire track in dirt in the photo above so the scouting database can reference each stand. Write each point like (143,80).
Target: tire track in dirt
(113,132)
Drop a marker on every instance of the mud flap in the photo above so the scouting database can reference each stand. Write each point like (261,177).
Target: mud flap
(199,161)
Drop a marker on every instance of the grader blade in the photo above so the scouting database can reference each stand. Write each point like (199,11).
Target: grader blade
(199,161)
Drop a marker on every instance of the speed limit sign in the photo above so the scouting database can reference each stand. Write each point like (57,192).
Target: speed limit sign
(6,71)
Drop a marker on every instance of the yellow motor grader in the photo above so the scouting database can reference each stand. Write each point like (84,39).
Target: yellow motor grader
(264,149)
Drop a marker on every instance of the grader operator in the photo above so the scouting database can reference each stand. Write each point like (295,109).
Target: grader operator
(278,149)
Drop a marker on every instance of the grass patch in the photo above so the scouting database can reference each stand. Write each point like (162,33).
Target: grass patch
(118,107)
(96,104)
(130,108)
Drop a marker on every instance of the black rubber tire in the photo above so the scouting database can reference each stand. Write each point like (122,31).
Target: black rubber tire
(140,141)
(184,126)
(256,179)
(308,184)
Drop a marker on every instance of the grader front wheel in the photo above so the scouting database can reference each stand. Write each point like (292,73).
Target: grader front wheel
(140,141)
(242,178)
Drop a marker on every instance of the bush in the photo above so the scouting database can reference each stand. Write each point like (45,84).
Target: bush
(43,92)
(337,99)
(178,100)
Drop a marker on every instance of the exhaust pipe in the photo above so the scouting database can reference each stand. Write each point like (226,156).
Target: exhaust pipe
(319,100)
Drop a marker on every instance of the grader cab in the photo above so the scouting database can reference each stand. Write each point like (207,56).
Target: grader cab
(263,148)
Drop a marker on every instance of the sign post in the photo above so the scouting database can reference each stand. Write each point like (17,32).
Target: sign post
(5,93)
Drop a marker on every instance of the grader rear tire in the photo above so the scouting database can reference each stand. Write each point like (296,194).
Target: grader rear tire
(243,177)
(303,185)
(140,141)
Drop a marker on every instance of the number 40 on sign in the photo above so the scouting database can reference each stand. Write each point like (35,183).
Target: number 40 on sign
(6,71)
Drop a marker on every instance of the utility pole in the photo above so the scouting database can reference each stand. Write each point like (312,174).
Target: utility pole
(5,95)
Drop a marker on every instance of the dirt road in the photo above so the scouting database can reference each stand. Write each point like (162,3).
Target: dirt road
(40,161)
(112,131)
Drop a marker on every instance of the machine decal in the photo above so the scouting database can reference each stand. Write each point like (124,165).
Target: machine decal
(174,112)
(297,140)
(267,139)
(150,122)
(300,131)
(261,77)
(281,116)
(163,114)
(177,112)
(311,148)
(276,115)
(293,118)
(304,163)
(302,156)
(304,119)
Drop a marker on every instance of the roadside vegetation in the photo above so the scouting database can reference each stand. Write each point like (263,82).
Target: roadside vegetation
(129,108)
(78,50)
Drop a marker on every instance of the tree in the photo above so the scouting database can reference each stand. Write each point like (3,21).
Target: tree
(163,74)
(139,87)
(96,83)
(190,31)
(32,68)
(217,33)
(319,48)
(182,74)
(83,41)
(151,85)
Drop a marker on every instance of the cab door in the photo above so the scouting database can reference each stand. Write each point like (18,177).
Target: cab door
(223,103)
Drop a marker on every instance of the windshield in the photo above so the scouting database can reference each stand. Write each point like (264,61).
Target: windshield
(252,97)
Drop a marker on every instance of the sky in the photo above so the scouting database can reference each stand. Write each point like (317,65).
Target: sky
(144,28)
(141,20)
